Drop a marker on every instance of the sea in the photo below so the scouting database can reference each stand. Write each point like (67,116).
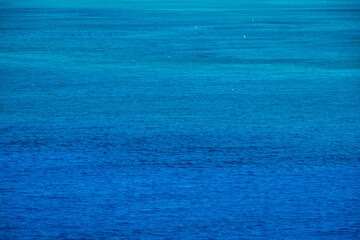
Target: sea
(180,120)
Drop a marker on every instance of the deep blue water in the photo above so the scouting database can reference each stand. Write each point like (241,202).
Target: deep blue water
(174,123)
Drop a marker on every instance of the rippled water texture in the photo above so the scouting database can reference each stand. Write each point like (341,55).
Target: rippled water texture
(180,123)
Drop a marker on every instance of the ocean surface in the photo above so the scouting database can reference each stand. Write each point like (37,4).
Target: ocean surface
(180,123)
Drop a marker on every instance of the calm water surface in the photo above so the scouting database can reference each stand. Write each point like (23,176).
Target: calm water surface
(180,123)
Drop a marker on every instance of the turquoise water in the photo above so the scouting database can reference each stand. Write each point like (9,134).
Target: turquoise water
(179,121)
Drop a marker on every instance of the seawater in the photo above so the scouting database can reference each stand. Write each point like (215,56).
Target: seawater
(180,123)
